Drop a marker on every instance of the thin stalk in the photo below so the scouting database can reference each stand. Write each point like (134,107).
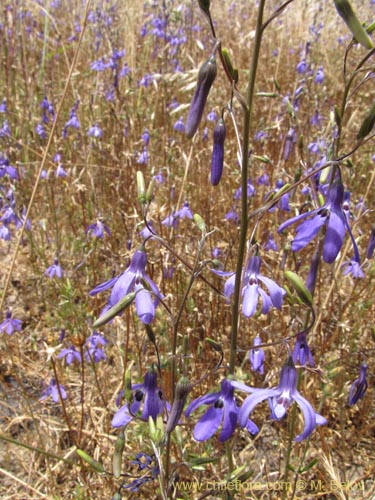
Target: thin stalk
(244,180)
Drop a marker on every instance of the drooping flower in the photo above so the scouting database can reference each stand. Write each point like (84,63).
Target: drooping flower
(257,356)
(54,270)
(252,290)
(179,126)
(354,268)
(10,324)
(331,215)
(98,229)
(280,398)
(301,352)
(359,386)
(223,410)
(147,399)
(52,390)
(134,279)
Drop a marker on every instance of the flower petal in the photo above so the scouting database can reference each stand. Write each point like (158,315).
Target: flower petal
(250,299)
(144,305)
(276,292)
(230,420)
(334,237)
(251,401)
(207,399)
(307,231)
(122,417)
(309,416)
(208,424)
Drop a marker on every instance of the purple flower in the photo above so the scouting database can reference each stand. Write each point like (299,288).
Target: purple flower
(179,126)
(290,141)
(271,244)
(319,76)
(359,386)
(301,351)
(184,212)
(251,290)
(256,357)
(98,229)
(95,340)
(354,268)
(95,354)
(331,215)
(60,171)
(280,398)
(143,157)
(10,325)
(54,270)
(95,131)
(146,137)
(53,391)
(134,279)
(302,66)
(70,355)
(223,410)
(147,399)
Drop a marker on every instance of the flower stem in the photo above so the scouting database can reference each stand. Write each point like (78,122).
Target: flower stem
(244,180)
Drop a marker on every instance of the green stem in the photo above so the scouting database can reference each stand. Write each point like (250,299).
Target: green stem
(244,179)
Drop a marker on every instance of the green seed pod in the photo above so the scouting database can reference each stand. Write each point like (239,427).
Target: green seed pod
(299,286)
(115,310)
(94,464)
(233,73)
(117,455)
(183,388)
(345,10)
(206,78)
(367,124)
(141,188)
(200,223)
(150,191)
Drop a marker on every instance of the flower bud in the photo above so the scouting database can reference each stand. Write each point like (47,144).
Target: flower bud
(205,6)
(183,388)
(345,10)
(206,77)
(115,310)
(141,189)
(233,73)
(299,286)
(217,160)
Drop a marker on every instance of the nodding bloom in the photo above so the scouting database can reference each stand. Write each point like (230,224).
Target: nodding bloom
(223,410)
(98,229)
(252,290)
(331,215)
(301,351)
(359,386)
(280,398)
(54,270)
(371,244)
(10,324)
(147,399)
(354,268)
(134,279)
(257,356)
(52,390)
(179,126)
